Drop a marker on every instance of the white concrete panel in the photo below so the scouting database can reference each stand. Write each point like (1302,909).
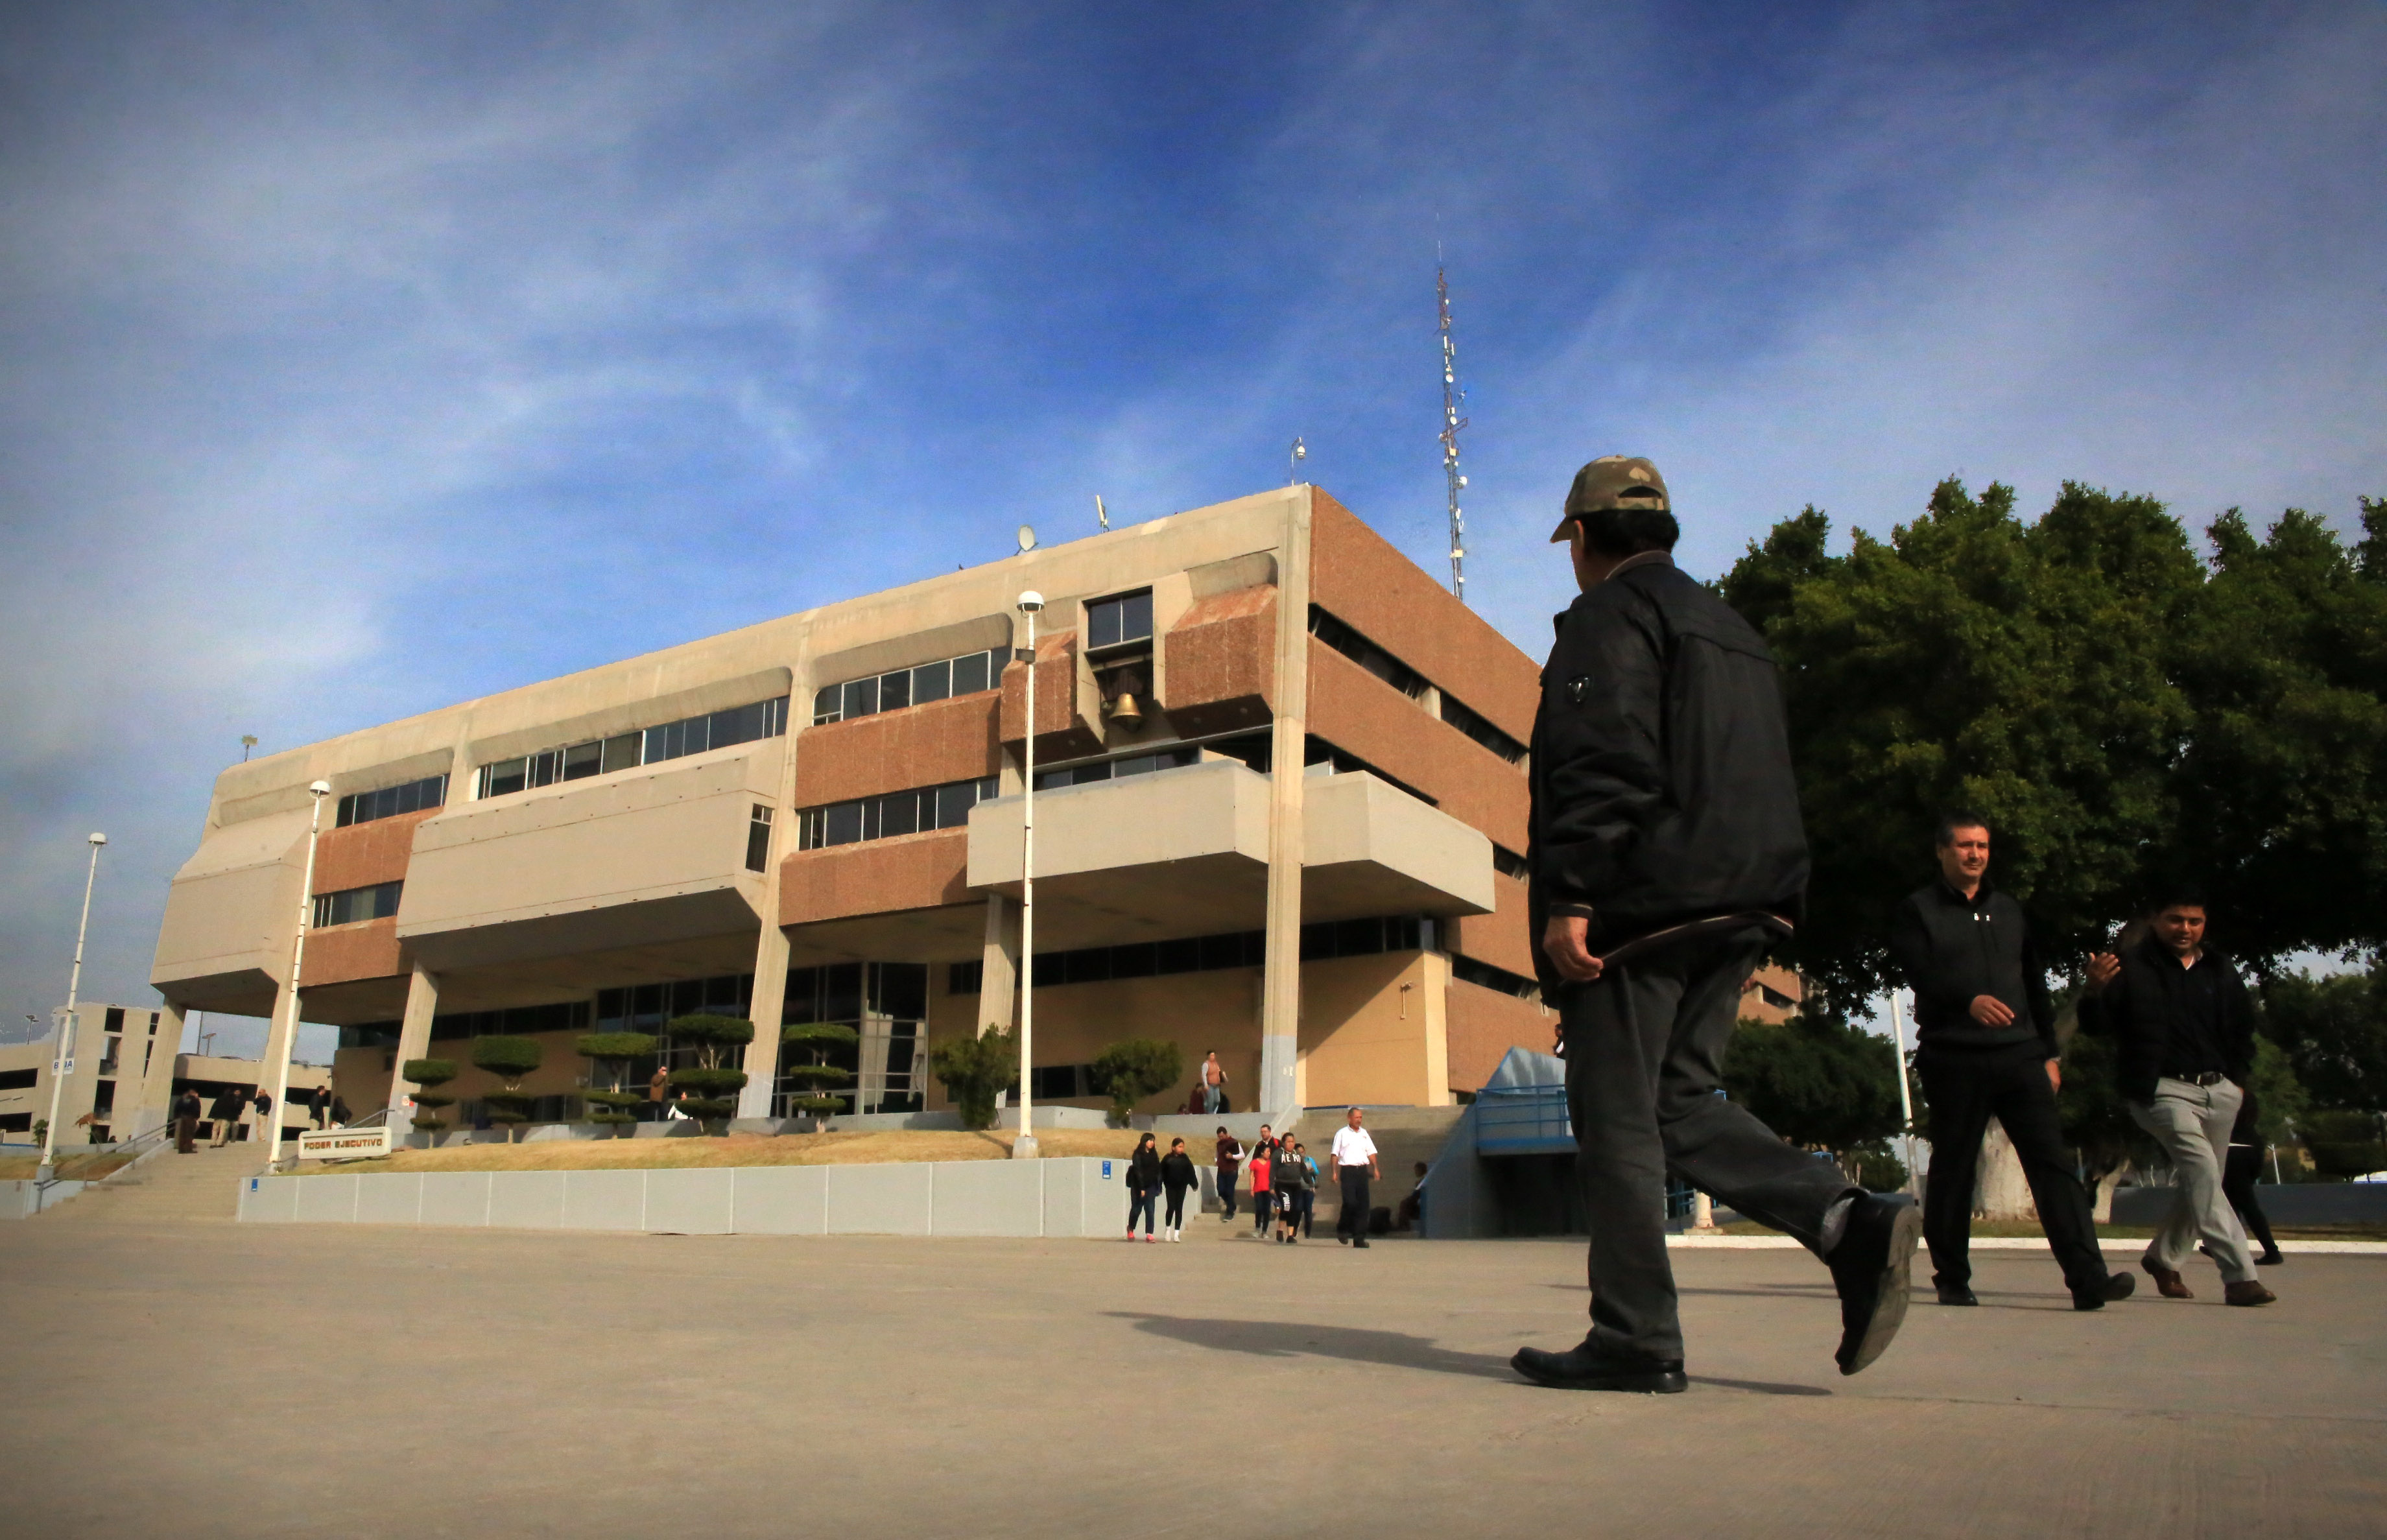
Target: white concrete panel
(780,1200)
(1102,1188)
(604,1200)
(389,1198)
(325,1200)
(688,1203)
(456,1198)
(879,1200)
(988,1197)
(268,1200)
(526,1200)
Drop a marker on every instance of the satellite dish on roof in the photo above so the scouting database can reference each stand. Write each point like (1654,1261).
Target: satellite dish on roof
(1026,539)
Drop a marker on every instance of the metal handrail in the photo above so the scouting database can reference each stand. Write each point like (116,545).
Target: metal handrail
(155,1138)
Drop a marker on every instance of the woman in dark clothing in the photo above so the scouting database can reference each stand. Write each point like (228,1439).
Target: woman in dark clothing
(1143,1186)
(1177,1174)
(1288,1174)
(2238,1173)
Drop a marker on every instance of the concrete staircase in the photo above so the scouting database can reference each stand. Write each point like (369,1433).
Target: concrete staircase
(167,1188)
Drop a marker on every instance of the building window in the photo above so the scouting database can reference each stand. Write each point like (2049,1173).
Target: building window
(965,978)
(1485,976)
(1057,1082)
(1116,622)
(1363,938)
(1151,959)
(1774,997)
(1366,654)
(1116,769)
(947,677)
(350,905)
(913,811)
(112,1055)
(114,1020)
(887,1006)
(364,807)
(693,735)
(758,840)
(1483,732)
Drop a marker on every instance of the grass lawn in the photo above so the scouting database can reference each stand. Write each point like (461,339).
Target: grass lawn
(71,1168)
(737,1149)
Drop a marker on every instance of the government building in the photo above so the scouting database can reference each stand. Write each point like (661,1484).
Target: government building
(1280,812)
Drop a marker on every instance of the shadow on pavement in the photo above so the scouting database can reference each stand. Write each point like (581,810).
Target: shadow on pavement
(1758,1387)
(1271,1339)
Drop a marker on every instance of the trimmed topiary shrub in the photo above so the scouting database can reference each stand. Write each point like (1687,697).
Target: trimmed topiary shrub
(813,1074)
(1133,1068)
(715,1084)
(510,1059)
(428,1075)
(610,1053)
(973,1071)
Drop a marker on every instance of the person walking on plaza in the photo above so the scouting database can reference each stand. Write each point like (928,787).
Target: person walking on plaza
(1305,1201)
(1666,851)
(186,1122)
(1258,1167)
(658,1088)
(1354,1159)
(1231,1161)
(267,1125)
(2184,1043)
(1286,1178)
(1142,1185)
(2243,1168)
(1177,1174)
(1214,1084)
(1985,1043)
(224,1113)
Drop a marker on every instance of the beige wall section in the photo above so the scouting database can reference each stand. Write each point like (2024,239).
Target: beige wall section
(1484,1024)
(1375,839)
(1196,1011)
(413,1037)
(1371,1031)
(999,967)
(225,943)
(1359,712)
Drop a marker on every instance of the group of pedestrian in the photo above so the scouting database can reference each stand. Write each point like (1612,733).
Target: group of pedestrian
(1667,854)
(1150,1175)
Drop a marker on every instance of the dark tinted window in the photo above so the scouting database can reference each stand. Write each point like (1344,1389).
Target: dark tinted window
(972,673)
(1115,622)
(932,682)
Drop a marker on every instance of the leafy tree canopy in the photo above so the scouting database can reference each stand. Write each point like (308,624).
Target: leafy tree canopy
(2335,1033)
(1815,1080)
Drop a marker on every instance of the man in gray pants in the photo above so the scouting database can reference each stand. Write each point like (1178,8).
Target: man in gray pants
(1667,850)
(2185,1040)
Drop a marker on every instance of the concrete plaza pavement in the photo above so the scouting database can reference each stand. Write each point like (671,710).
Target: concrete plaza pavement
(200,1379)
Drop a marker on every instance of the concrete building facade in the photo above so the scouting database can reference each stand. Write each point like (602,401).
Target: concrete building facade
(1281,815)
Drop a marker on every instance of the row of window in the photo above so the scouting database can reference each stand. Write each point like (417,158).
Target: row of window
(1469,970)
(1116,769)
(848,991)
(1203,953)
(693,735)
(914,811)
(1483,732)
(1410,682)
(364,807)
(967,675)
(1116,622)
(350,905)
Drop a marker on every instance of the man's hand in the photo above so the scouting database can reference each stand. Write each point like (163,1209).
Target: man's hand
(2054,1076)
(1989,1010)
(2104,968)
(1563,940)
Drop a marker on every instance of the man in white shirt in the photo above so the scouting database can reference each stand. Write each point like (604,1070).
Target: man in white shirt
(1355,1162)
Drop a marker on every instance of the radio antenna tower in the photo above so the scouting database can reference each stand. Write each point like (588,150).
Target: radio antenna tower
(1452,398)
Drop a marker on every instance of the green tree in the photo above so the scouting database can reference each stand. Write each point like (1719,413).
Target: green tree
(429,1075)
(1817,1081)
(974,1070)
(714,1084)
(510,1059)
(1133,1068)
(610,1053)
(2334,1034)
(815,1074)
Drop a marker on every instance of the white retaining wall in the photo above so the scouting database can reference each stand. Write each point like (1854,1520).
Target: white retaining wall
(1072,1198)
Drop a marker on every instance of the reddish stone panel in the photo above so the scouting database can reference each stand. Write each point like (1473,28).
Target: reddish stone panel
(347,953)
(1502,936)
(1059,732)
(1357,577)
(913,871)
(1221,661)
(945,740)
(364,855)
(1480,1026)
(1362,716)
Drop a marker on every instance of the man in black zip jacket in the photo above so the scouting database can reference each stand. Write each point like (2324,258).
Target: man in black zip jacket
(1667,850)
(1985,1043)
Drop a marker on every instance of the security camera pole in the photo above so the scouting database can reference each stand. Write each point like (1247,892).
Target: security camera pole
(1024,1147)
(59,1059)
(272,1119)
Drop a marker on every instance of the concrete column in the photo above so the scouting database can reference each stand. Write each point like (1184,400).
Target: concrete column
(997,1004)
(1281,980)
(155,1055)
(1433,999)
(769,1004)
(413,1035)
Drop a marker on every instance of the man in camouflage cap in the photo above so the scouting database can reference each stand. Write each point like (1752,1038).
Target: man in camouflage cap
(1667,851)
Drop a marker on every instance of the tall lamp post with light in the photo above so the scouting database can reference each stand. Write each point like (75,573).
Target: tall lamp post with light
(273,1114)
(61,1060)
(1024,1146)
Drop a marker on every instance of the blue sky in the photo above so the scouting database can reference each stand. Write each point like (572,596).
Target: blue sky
(363,359)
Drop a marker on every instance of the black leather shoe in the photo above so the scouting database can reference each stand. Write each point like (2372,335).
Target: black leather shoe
(2269,1259)
(1360,1244)
(2117,1285)
(1871,1268)
(1955,1294)
(1588,1367)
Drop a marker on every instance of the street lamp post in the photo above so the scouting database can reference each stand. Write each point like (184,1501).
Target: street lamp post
(59,1058)
(273,1119)
(1905,1097)
(1024,1146)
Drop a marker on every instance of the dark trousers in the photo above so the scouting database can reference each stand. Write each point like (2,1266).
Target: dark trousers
(185,1129)
(1226,1195)
(1353,1221)
(1140,1201)
(2238,1174)
(1304,1204)
(1263,1209)
(1967,1088)
(1175,1216)
(1643,1049)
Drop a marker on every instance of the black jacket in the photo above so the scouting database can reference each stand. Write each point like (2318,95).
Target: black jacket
(1952,948)
(1144,1170)
(2137,1009)
(1662,784)
(1176,1172)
